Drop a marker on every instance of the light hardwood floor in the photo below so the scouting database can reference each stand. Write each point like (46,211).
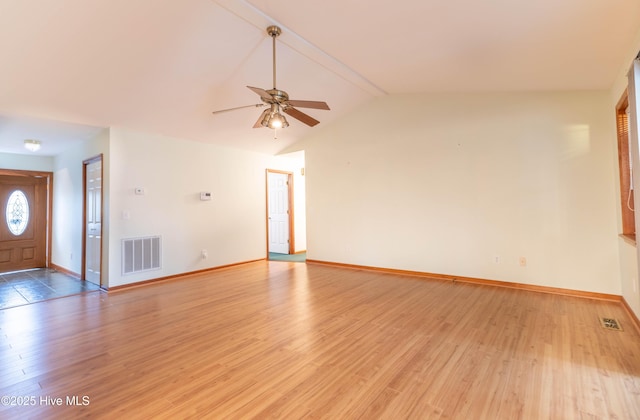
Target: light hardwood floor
(287,340)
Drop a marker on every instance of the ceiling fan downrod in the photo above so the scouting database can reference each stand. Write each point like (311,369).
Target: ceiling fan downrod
(274,32)
(278,100)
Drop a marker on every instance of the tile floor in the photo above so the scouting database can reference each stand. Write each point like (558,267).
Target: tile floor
(29,286)
(301,257)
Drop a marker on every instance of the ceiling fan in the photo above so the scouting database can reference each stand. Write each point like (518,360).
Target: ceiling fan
(278,100)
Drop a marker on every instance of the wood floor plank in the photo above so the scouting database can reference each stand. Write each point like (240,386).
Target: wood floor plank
(287,340)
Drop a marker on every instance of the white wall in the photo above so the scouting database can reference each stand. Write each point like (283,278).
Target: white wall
(66,247)
(173,172)
(26,162)
(447,183)
(294,162)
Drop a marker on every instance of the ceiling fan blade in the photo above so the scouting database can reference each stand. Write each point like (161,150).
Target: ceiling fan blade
(309,104)
(301,116)
(263,93)
(258,123)
(238,107)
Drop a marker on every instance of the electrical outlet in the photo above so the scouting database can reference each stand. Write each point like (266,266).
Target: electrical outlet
(496,259)
(523,261)
(204,254)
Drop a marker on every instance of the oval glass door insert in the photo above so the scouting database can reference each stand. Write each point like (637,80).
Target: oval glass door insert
(17,212)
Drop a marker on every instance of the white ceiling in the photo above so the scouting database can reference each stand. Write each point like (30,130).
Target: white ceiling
(162,66)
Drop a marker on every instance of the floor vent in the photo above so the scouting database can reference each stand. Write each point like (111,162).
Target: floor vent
(610,324)
(140,254)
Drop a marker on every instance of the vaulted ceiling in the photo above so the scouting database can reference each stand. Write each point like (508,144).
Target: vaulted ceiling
(162,66)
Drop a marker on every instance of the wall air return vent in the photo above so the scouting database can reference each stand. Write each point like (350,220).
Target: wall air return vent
(141,254)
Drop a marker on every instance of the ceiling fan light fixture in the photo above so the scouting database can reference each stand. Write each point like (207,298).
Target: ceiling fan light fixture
(265,120)
(278,121)
(274,119)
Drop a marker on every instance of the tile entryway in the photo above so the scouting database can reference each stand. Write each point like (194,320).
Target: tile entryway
(29,286)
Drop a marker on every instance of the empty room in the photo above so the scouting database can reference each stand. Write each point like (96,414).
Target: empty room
(269,209)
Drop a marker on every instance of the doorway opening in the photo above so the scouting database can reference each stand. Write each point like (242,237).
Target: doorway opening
(25,231)
(280,209)
(281,217)
(92,221)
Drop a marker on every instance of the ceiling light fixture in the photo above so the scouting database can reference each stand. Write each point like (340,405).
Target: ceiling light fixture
(274,119)
(32,145)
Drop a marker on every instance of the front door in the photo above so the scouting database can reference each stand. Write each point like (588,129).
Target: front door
(23,230)
(278,212)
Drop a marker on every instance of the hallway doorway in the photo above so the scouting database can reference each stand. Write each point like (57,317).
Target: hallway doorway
(286,208)
(280,231)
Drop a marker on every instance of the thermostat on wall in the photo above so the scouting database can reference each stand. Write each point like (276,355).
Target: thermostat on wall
(204,196)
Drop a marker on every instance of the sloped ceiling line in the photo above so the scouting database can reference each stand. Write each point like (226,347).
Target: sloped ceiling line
(257,18)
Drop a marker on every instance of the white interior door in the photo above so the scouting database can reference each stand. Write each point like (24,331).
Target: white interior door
(278,212)
(93,243)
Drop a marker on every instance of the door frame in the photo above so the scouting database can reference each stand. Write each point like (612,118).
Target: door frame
(49,178)
(85,163)
(289,203)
